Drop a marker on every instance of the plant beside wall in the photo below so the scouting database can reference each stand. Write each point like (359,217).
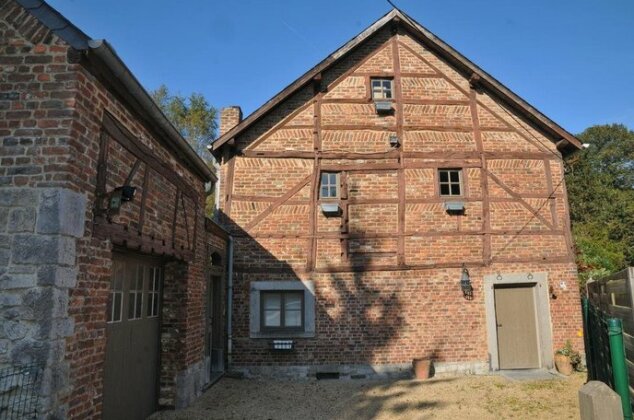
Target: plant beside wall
(567,359)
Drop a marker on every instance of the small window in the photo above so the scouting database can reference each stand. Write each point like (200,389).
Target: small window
(282,310)
(329,185)
(135,293)
(153,292)
(115,298)
(381,89)
(450,182)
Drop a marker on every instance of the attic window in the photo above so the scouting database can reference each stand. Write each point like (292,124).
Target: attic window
(329,185)
(450,181)
(381,89)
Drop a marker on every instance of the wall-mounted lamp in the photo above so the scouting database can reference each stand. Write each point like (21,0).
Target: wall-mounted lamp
(121,195)
(394,141)
(465,284)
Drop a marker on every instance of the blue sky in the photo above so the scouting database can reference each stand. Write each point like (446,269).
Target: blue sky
(572,59)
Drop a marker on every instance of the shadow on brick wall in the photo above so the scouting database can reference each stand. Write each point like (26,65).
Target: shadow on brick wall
(358,313)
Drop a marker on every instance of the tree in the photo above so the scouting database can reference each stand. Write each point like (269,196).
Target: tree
(601,194)
(195,119)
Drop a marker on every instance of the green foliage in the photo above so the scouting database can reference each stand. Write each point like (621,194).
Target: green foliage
(192,116)
(195,119)
(601,193)
(572,354)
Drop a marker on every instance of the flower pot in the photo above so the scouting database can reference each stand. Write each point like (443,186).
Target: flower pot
(562,362)
(422,368)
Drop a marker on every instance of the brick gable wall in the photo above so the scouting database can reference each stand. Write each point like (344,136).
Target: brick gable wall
(387,270)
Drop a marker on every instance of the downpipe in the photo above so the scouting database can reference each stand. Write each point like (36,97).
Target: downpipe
(229,300)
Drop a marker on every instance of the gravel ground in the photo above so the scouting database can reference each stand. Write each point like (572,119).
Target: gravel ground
(468,397)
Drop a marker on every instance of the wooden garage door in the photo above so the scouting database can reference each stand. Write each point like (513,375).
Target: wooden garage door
(132,334)
(516,319)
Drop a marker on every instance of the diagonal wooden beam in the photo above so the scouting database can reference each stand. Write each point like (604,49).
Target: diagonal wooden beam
(133,171)
(520,199)
(279,202)
(457,86)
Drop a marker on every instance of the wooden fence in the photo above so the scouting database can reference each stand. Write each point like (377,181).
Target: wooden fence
(614,297)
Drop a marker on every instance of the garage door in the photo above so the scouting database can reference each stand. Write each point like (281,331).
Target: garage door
(132,334)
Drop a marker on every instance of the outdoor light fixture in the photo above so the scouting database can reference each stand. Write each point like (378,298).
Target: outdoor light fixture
(394,141)
(465,284)
(121,195)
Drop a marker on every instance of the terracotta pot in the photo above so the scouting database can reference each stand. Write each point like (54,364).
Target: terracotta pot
(422,368)
(562,362)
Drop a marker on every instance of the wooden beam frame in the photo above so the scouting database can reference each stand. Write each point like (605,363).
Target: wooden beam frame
(281,200)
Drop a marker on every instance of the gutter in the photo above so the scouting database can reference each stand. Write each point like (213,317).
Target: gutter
(229,301)
(104,52)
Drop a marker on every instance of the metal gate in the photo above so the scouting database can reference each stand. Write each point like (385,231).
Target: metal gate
(131,372)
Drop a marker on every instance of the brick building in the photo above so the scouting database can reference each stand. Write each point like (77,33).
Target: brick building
(111,278)
(397,202)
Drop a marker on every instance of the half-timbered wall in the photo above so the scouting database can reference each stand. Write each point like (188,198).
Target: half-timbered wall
(387,270)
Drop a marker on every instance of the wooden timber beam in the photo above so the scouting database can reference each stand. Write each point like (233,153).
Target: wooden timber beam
(143,152)
(281,200)
(520,200)
(398,91)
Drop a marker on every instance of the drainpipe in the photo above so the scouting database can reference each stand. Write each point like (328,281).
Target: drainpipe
(229,299)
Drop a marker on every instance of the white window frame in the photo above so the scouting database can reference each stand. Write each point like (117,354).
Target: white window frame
(329,185)
(380,93)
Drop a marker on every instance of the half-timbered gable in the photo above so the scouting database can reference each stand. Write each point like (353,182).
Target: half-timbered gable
(375,179)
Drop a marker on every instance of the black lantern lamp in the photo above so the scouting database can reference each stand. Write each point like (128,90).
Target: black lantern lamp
(465,284)
(119,196)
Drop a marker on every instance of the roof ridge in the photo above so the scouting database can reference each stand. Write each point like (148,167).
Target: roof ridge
(449,53)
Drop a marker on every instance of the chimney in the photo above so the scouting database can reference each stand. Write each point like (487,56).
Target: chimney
(229,118)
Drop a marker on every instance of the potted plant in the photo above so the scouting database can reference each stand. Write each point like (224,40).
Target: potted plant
(567,359)
(422,368)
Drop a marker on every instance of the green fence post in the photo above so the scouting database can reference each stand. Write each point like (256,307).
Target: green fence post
(619,368)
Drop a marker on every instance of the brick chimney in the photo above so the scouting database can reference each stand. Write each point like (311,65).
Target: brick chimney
(229,118)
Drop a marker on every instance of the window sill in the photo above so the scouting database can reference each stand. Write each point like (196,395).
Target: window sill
(293,334)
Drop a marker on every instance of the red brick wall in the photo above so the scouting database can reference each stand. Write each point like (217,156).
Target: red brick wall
(387,289)
(51,112)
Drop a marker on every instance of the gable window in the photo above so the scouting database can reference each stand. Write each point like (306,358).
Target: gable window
(450,181)
(329,185)
(381,89)
(282,310)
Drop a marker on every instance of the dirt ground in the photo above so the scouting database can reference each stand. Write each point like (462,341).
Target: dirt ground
(464,397)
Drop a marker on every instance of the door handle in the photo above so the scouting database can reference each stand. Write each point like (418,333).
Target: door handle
(498,325)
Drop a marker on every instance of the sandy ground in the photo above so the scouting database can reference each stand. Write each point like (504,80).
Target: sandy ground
(464,397)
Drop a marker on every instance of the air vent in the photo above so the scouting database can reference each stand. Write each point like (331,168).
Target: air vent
(330,209)
(383,107)
(454,206)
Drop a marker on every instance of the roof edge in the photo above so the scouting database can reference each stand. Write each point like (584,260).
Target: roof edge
(444,49)
(77,39)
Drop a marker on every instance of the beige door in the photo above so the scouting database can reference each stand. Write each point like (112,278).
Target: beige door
(518,346)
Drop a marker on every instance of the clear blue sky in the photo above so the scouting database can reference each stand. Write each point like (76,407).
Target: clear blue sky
(572,59)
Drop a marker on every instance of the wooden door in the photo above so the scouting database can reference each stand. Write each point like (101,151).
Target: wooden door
(131,369)
(215,325)
(518,346)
